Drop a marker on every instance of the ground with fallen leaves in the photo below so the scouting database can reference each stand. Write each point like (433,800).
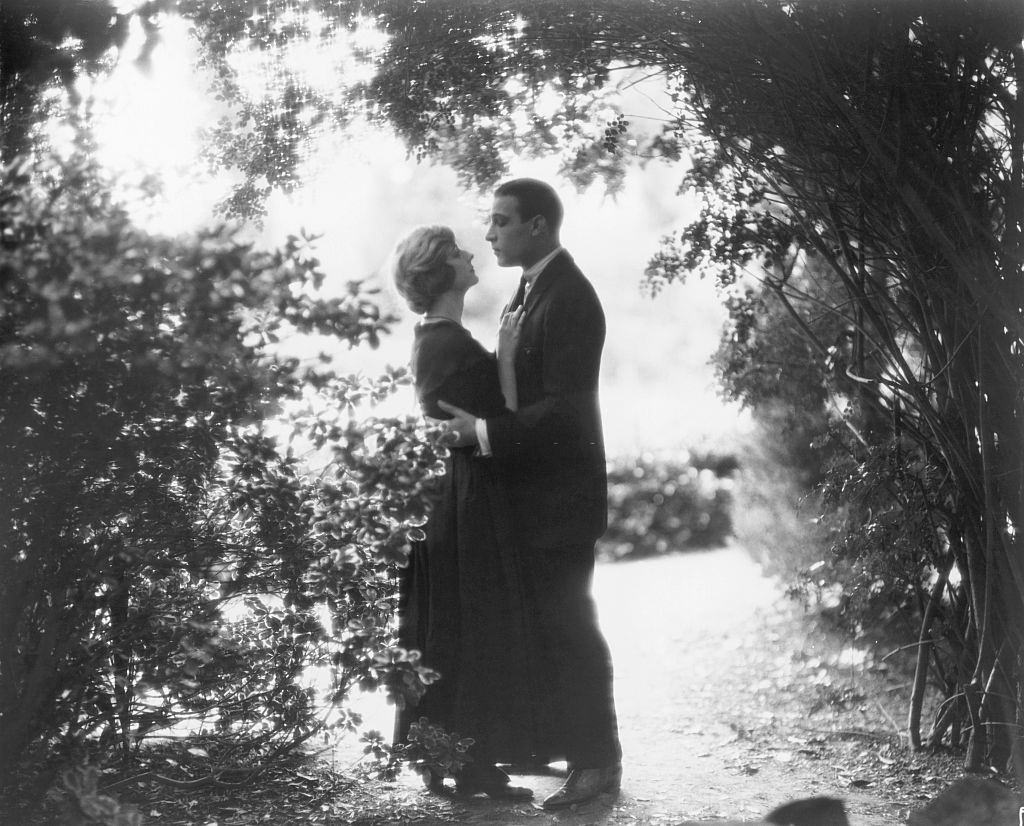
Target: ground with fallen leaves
(730,699)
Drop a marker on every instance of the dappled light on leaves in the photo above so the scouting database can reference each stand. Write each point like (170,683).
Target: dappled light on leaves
(169,562)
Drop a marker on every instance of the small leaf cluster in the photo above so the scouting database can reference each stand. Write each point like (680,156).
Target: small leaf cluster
(881,505)
(432,750)
(614,132)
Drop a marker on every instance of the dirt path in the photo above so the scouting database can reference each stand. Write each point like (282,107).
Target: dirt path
(695,639)
(716,680)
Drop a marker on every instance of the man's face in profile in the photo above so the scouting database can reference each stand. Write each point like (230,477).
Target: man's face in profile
(513,240)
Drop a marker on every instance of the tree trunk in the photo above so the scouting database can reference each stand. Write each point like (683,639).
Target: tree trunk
(924,650)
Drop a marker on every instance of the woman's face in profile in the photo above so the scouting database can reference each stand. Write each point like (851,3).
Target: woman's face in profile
(462,262)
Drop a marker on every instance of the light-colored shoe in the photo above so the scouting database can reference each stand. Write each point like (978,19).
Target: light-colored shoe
(585,784)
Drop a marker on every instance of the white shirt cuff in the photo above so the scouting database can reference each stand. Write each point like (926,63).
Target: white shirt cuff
(481,437)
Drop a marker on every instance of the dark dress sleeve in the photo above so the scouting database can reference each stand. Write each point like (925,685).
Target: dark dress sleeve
(450,365)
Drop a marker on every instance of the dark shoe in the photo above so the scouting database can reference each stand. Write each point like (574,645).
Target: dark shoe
(509,792)
(585,784)
(490,781)
(434,782)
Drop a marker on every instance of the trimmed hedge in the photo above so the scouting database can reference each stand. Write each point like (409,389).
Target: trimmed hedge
(662,504)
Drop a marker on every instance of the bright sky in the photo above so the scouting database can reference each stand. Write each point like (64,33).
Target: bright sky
(657,387)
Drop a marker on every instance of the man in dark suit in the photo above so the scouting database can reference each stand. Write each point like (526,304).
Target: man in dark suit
(552,450)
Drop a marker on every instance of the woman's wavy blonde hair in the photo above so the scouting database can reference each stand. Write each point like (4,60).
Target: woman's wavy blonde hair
(420,268)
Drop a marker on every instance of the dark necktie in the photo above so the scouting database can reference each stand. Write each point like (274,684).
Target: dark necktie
(520,296)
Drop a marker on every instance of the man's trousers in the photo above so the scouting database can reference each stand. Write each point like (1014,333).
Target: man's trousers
(577,709)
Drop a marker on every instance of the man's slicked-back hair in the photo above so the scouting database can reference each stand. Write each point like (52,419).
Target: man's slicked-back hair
(534,198)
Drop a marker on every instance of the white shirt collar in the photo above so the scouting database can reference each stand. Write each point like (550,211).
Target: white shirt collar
(531,274)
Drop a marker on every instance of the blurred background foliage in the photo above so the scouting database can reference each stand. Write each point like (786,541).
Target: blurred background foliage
(661,504)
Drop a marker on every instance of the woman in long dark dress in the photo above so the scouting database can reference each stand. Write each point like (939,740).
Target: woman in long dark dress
(461,594)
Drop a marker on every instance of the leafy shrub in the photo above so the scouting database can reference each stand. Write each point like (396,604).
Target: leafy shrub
(858,511)
(166,557)
(658,505)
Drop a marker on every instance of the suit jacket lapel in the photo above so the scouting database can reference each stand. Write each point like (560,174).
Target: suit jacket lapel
(539,285)
(544,279)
